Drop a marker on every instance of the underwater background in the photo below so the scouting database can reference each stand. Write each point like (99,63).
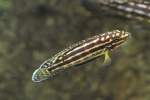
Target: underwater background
(32,31)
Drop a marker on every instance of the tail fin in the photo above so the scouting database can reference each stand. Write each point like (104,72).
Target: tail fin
(40,74)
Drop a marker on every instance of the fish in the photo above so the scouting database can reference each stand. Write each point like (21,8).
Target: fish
(131,9)
(81,52)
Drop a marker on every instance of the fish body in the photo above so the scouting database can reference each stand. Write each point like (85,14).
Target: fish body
(81,52)
(132,9)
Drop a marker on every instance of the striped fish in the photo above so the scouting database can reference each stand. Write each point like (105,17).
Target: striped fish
(139,10)
(81,52)
(133,9)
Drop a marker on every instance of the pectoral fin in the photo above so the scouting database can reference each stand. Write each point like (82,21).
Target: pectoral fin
(107,59)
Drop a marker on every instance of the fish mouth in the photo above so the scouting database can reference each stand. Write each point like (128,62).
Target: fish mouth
(40,74)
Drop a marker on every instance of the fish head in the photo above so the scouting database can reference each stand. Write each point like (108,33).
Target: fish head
(117,38)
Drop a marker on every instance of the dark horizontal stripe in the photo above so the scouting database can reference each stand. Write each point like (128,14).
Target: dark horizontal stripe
(63,54)
(134,12)
(86,53)
(79,55)
(78,62)
(86,47)
(80,44)
(117,44)
(114,6)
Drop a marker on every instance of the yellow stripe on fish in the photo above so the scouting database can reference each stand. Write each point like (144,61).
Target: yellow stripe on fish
(81,52)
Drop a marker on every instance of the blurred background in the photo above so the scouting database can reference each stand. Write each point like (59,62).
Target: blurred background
(32,31)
